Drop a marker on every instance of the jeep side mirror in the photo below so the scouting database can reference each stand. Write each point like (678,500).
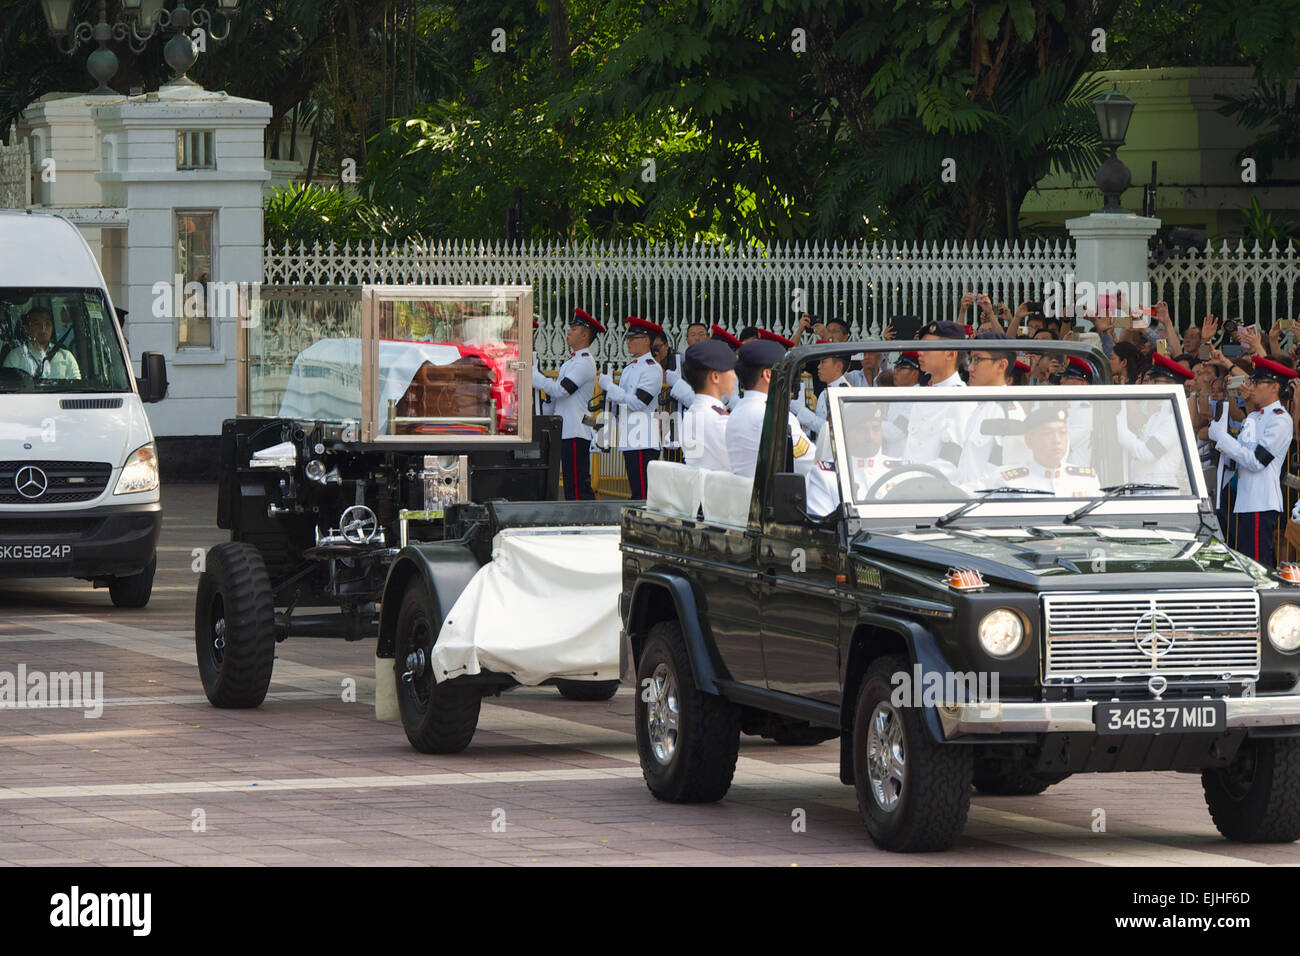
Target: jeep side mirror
(789,498)
(152,384)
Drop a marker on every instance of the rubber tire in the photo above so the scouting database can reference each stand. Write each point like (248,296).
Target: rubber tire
(236,573)
(134,590)
(931,812)
(708,743)
(587,689)
(446,724)
(1269,811)
(1016,782)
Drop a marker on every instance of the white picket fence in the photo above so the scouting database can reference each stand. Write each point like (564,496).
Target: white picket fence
(1252,284)
(675,284)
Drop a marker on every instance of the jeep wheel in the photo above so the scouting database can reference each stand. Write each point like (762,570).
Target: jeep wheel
(1009,779)
(1256,798)
(134,590)
(437,718)
(913,793)
(687,740)
(587,689)
(234,626)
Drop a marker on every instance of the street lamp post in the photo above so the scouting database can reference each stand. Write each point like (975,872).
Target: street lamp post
(144,20)
(1114,110)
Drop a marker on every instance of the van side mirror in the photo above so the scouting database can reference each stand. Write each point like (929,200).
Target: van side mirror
(789,498)
(152,384)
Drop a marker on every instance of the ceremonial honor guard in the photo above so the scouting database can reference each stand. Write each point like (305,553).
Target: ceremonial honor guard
(709,368)
(1047,436)
(636,396)
(936,430)
(571,391)
(1259,453)
(1155,454)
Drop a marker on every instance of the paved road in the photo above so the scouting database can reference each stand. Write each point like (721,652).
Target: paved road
(161,778)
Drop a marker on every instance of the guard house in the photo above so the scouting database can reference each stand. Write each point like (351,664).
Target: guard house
(167,188)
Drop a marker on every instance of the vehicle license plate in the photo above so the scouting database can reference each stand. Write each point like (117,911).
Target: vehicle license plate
(35,552)
(1158,717)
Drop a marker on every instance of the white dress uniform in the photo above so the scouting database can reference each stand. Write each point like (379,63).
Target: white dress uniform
(56,363)
(704,434)
(1064,481)
(1226,467)
(980,452)
(1155,455)
(865,472)
(745,430)
(937,430)
(637,397)
(571,391)
(1079,425)
(1259,457)
(814,420)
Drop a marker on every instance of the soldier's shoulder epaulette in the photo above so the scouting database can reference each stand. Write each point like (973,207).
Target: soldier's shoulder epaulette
(1279,411)
(1080,470)
(720,409)
(1015,472)
(649,360)
(801,447)
(826,465)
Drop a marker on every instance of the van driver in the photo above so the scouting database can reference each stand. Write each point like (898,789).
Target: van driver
(34,354)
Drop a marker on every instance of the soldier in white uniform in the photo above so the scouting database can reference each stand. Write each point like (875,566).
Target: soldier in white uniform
(1154,452)
(636,398)
(830,371)
(745,428)
(681,390)
(709,367)
(936,430)
(983,450)
(867,462)
(907,374)
(1259,455)
(1047,435)
(570,391)
(1079,372)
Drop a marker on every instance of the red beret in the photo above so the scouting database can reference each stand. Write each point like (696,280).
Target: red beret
(1176,369)
(723,335)
(536,323)
(1078,368)
(635,324)
(1267,368)
(584,316)
(773,337)
(1022,367)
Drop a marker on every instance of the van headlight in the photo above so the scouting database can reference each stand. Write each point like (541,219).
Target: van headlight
(1284,627)
(140,473)
(1000,632)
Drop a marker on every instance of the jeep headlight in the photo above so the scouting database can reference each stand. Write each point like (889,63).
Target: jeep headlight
(1001,632)
(1284,627)
(140,473)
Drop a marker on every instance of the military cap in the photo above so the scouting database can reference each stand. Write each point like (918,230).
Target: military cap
(712,354)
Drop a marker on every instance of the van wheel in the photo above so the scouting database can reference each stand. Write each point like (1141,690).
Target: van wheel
(438,718)
(234,626)
(134,590)
(687,740)
(1256,798)
(587,689)
(913,793)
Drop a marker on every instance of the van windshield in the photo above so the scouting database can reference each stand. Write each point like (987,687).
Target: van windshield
(59,340)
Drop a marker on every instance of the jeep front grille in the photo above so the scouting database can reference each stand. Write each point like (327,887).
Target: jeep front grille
(1109,637)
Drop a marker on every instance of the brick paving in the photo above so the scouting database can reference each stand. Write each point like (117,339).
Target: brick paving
(311,779)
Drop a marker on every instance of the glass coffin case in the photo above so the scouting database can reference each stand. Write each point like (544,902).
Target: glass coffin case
(393,364)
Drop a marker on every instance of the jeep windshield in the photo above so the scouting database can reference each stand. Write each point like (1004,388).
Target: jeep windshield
(59,340)
(960,455)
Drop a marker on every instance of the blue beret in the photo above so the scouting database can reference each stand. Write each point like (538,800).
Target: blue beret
(712,354)
(763,353)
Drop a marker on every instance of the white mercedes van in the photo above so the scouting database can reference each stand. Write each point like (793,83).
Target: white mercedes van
(78,467)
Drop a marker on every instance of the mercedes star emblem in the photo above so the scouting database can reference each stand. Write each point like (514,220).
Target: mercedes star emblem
(31,481)
(1154,634)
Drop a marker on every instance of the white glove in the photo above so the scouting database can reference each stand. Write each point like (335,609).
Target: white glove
(797,406)
(672,377)
(537,369)
(606,380)
(1218,429)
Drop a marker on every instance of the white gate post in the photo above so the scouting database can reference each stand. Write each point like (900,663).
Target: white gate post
(1111,251)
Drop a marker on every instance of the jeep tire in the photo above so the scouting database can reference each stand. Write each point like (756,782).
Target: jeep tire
(587,689)
(913,793)
(687,740)
(234,626)
(439,718)
(1256,799)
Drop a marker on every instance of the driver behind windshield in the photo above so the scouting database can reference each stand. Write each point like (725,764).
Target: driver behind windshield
(1047,436)
(34,353)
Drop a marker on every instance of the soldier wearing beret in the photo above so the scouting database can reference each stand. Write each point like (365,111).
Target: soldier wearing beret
(1155,454)
(1047,436)
(571,392)
(936,430)
(709,369)
(1258,454)
(637,397)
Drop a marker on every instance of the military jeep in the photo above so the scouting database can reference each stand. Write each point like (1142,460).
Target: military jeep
(1050,616)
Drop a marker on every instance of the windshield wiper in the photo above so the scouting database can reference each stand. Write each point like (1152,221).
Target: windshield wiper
(1115,491)
(983,493)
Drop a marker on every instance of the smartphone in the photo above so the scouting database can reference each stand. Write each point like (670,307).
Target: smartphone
(1285,324)
(1123,322)
(1205,352)
(1236,381)
(1162,346)
(1233,351)
(1141,322)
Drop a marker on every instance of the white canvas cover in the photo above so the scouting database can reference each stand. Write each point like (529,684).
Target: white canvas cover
(545,606)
